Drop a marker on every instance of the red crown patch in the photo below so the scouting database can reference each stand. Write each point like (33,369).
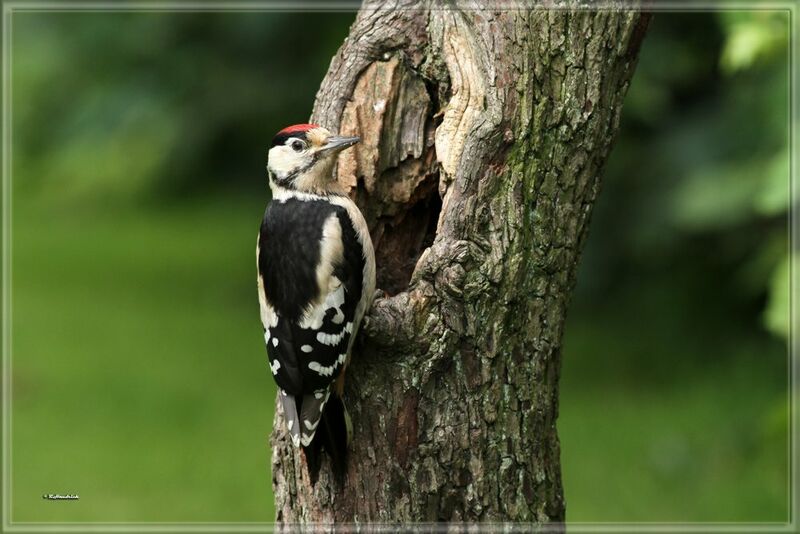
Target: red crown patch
(298,128)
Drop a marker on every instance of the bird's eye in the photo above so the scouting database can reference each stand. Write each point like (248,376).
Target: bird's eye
(298,146)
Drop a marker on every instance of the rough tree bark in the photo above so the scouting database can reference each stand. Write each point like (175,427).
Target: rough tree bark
(484,134)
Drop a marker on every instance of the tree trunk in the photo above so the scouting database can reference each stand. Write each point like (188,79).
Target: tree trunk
(484,135)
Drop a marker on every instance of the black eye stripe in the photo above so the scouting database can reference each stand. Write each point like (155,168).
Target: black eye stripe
(286,180)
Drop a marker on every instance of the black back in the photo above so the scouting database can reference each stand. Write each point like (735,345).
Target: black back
(289,254)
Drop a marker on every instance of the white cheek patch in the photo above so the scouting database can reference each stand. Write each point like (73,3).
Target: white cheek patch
(283,160)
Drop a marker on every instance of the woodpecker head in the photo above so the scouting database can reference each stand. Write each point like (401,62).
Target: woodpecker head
(302,158)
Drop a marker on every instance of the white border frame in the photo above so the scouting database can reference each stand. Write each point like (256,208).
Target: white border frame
(10,7)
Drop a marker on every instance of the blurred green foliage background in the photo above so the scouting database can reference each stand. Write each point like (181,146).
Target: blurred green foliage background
(139,377)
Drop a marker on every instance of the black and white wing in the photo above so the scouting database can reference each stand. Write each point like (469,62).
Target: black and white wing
(310,269)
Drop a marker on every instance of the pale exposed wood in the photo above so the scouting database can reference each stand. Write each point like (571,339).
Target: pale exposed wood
(485,133)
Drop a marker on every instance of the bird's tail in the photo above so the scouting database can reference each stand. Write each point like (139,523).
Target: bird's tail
(333,436)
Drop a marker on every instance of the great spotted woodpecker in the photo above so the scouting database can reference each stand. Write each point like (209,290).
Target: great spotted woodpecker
(316,279)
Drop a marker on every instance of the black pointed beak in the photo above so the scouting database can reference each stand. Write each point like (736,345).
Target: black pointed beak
(336,143)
